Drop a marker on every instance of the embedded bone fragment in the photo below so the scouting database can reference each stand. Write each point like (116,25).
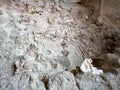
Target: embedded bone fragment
(86,66)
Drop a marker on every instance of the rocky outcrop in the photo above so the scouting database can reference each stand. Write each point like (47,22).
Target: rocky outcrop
(43,43)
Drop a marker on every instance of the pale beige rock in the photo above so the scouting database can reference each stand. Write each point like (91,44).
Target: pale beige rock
(62,81)
(43,43)
(87,66)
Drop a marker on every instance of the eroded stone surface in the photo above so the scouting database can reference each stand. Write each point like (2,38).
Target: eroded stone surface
(43,43)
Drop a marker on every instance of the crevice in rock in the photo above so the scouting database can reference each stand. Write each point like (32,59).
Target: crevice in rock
(45,81)
(76,71)
(77,85)
(106,65)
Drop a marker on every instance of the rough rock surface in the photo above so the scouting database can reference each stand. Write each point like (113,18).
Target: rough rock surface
(44,42)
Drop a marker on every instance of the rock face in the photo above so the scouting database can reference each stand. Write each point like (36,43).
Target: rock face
(44,42)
